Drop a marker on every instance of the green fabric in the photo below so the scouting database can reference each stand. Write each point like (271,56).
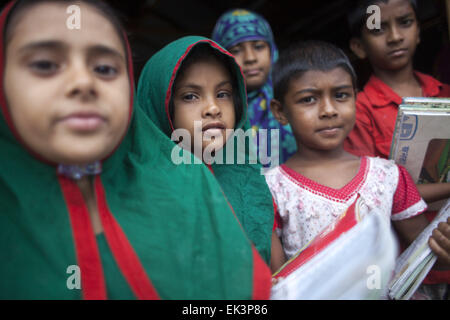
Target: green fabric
(243,184)
(116,285)
(175,217)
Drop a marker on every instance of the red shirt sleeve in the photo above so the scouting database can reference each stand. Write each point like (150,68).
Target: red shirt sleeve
(360,140)
(407,200)
(445,91)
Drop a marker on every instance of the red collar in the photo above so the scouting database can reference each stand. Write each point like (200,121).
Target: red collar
(381,95)
(343,194)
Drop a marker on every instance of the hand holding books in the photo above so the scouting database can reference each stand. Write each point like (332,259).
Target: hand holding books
(415,262)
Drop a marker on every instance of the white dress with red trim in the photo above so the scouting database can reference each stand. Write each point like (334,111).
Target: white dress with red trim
(306,207)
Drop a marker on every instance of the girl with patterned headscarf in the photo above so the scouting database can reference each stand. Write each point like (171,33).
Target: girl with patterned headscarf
(249,38)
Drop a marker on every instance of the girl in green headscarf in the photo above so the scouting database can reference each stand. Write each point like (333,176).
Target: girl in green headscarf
(193,90)
(92,205)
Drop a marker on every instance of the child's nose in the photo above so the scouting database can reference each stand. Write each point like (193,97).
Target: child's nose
(249,55)
(327,109)
(81,82)
(394,34)
(211,110)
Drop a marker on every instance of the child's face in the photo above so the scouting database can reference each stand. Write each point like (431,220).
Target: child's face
(392,46)
(204,94)
(320,107)
(68,91)
(254,59)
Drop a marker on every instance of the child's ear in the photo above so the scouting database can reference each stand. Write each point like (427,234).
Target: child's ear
(277,110)
(357,48)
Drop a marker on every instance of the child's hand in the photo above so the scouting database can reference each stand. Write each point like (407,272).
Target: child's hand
(439,242)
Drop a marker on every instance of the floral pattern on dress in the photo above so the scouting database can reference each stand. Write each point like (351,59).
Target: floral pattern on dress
(305,207)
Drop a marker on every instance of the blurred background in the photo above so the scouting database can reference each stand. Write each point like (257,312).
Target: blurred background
(151,24)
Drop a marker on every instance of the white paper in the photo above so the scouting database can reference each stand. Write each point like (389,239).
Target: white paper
(357,265)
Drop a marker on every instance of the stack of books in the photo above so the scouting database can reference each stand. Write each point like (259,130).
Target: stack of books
(351,259)
(421,144)
(416,261)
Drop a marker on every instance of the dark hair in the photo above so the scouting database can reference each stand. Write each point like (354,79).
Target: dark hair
(103,8)
(357,16)
(307,56)
(202,52)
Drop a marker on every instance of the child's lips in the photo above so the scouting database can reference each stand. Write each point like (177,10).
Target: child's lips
(329,131)
(397,53)
(83,121)
(213,126)
(213,129)
(252,72)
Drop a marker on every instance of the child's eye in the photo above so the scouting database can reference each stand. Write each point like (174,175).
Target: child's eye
(224,95)
(376,31)
(234,51)
(307,100)
(406,22)
(342,95)
(44,67)
(106,71)
(259,45)
(189,97)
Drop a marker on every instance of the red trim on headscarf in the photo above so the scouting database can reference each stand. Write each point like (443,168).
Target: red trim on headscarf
(123,252)
(130,73)
(88,257)
(262,278)
(3,103)
(210,168)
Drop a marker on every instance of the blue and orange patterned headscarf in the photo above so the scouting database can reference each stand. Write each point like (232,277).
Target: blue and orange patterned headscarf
(239,25)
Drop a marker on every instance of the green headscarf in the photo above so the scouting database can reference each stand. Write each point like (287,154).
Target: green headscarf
(243,184)
(171,220)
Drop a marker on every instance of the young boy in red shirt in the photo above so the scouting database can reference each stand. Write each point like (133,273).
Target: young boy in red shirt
(390,51)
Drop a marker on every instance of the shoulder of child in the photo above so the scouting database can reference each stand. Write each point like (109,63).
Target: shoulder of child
(363,101)
(386,163)
(274,182)
(396,171)
(432,86)
(364,107)
(270,173)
